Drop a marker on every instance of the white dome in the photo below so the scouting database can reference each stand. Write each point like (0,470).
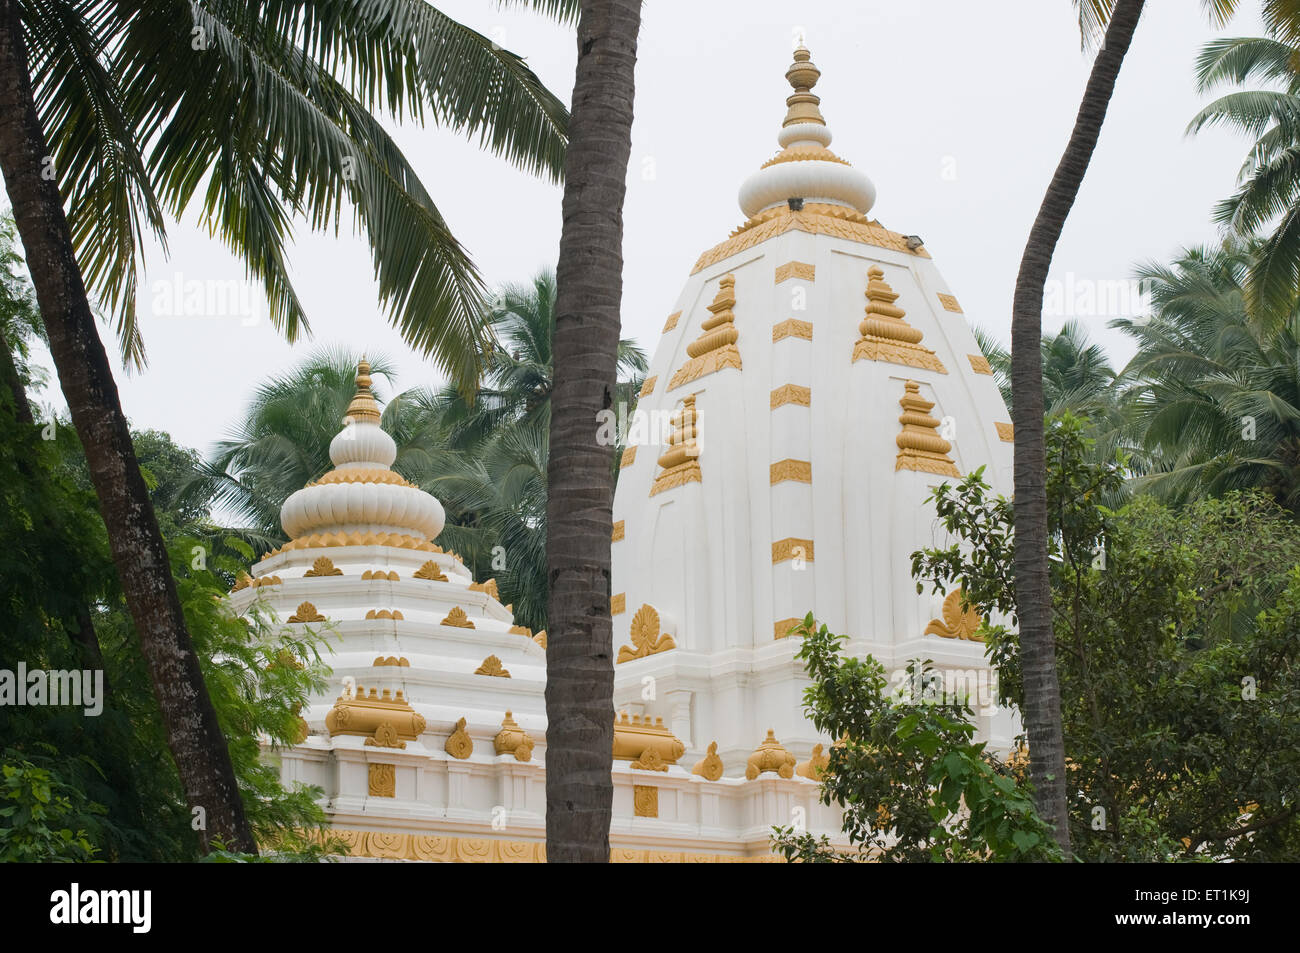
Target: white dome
(362,507)
(811,180)
(363,443)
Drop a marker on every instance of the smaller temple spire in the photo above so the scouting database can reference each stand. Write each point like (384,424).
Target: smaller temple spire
(363,406)
(920,446)
(803,103)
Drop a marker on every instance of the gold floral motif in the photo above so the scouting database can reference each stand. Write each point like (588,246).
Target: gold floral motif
(618,603)
(629,458)
(920,447)
(392,660)
(242,581)
(383,780)
(950,303)
(521,630)
(648,387)
(791,394)
(957,622)
(645,800)
(649,761)
(370,574)
(459,744)
(430,570)
(617,534)
(979,364)
(489,587)
(266,581)
(492,666)
(792,328)
(804,154)
(770,756)
(794,471)
(706,364)
(815,766)
(385,736)
(795,269)
(792,548)
(815,218)
(646,639)
(457,618)
(323,566)
(710,766)
(306,612)
(1006,432)
(672,321)
(325,540)
(540,638)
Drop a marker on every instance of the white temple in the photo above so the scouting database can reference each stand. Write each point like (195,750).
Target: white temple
(821,379)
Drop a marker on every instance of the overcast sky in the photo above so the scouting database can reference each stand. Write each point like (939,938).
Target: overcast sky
(958,111)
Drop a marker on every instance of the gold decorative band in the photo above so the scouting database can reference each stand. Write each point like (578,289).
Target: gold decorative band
(792,328)
(796,269)
(792,548)
(791,394)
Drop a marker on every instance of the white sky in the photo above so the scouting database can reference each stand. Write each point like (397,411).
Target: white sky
(913,92)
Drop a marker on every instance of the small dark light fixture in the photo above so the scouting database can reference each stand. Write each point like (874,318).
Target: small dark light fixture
(913,242)
(796,205)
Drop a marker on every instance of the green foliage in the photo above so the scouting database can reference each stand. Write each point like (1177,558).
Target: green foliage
(1176,656)
(43,819)
(911,782)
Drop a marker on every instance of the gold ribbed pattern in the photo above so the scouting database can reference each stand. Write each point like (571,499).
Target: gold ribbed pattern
(815,218)
(803,102)
(363,475)
(804,154)
(363,406)
(885,335)
(680,462)
(919,445)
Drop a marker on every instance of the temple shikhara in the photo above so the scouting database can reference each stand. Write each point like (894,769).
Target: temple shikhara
(820,379)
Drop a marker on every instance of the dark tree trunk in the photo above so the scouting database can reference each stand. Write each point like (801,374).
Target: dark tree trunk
(589,279)
(1042,697)
(195,739)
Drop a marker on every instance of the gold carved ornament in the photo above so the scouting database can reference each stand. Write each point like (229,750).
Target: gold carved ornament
(791,394)
(885,335)
(770,756)
(323,566)
(457,619)
(392,660)
(306,612)
(920,447)
(430,570)
(618,603)
(710,766)
(635,738)
(792,328)
(715,349)
(370,574)
(242,581)
(521,630)
(395,614)
(459,744)
(681,460)
(815,766)
(795,269)
(540,638)
(382,780)
(979,364)
(957,622)
(365,715)
(512,739)
(489,587)
(617,533)
(645,636)
(1006,432)
(492,666)
(645,800)
(794,471)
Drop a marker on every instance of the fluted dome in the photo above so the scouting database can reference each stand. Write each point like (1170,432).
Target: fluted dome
(805,168)
(362,494)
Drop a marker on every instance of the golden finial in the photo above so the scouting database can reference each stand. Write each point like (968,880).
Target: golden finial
(363,406)
(803,76)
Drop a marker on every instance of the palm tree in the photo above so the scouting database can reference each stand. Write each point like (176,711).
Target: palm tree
(1217,393)
(144,103)
(1042,697)
(589,280)
(1267,199)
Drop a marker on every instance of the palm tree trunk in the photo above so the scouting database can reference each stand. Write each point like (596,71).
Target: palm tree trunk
(589,278)
(193,734)
(1042,697)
